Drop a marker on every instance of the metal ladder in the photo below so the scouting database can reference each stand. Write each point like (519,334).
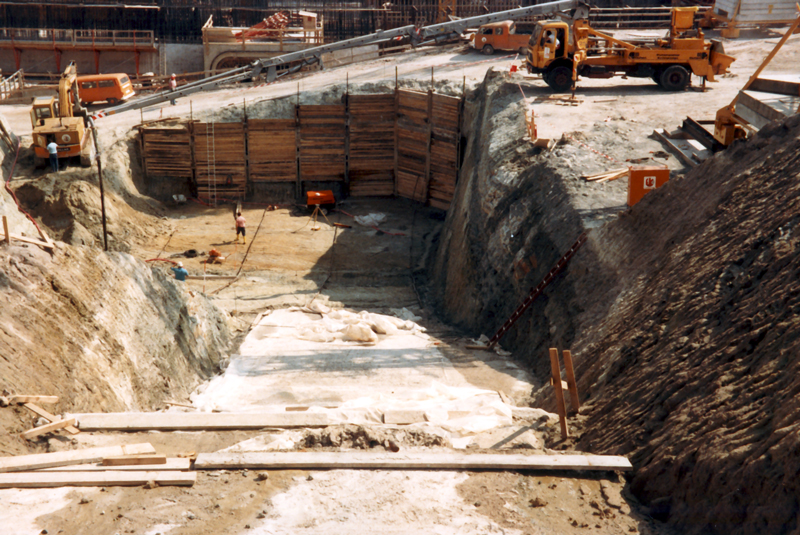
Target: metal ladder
(537,291)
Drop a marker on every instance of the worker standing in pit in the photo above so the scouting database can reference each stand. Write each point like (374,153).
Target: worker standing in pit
(52,149)
(241,223)
(180,272)
(173,85)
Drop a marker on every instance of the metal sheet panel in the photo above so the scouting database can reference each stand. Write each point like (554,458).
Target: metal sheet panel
(757,11)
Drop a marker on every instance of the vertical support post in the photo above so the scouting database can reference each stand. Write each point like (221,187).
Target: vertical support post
(427,184)
(571,383)
(298,188)
(560,405)
(347,137)
(102,192)
(136,59)
(396,136)
(5,230)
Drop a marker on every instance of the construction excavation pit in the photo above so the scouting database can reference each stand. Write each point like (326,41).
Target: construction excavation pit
(456,302)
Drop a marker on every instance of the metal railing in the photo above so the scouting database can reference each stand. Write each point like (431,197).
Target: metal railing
(79,38)
(12,84)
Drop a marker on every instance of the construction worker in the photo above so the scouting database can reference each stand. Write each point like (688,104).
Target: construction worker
(180,272)
(52,149)
(173,85)
(241,223)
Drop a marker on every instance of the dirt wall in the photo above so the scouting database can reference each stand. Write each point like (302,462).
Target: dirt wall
(682,313)
(102,331)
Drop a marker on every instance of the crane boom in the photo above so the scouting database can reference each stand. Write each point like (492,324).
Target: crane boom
(423,35)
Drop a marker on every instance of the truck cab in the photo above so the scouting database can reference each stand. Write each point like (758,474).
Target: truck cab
(503,35)
(547,43)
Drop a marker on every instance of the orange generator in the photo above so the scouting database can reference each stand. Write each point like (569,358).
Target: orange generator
(643,179)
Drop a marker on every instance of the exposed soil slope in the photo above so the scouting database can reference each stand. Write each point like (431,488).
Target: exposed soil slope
(104,332)
(682,314)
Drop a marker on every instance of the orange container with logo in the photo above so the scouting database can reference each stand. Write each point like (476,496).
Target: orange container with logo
(643,179)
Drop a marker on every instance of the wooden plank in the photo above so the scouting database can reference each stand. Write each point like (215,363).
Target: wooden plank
(126,460)
(50,417)
(406,461)
(560,405)
(144,421)
(401,417)
(32,399)
(571,383)
(24,239)
(6,232)
(35,480)
(65,458)
(48,428)
(173,463)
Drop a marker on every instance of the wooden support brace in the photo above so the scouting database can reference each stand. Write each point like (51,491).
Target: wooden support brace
(127,460)
(47,416)
(560,405)
(53,426)
(6,233)
(571,383)
(19,399)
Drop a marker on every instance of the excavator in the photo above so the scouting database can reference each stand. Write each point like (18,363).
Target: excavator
(561,51)
(62,121)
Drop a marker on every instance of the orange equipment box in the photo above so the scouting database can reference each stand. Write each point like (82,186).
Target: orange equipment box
(643,179)
(320,197)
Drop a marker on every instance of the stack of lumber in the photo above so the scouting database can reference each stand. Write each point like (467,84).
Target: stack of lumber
(167,151)
(220,160)
(445,135)
(129,465)
(413,145)
(371,149)
(607,175)
(322,142)
(272,151)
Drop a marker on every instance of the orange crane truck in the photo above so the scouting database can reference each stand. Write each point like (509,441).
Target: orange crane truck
(561,52)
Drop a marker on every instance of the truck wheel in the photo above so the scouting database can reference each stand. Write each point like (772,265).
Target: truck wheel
(559,79)
(487,50)
(675,78)
(113,102)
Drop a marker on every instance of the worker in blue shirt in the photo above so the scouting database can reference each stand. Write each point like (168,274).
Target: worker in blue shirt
(52,150)
(180,272)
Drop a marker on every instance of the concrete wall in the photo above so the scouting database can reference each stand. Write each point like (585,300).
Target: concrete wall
(180,59)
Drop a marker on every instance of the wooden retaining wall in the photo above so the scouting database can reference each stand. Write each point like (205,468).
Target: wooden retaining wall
(404,143)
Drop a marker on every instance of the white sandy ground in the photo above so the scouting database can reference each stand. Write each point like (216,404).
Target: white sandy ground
(21,507)
(343,502)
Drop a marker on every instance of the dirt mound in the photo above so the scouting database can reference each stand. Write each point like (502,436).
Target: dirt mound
(104,332)
(351,436)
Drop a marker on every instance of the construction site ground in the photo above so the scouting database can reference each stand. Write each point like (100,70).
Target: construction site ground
(285,263)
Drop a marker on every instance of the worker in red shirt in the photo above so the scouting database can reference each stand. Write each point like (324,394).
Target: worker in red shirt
(241,223)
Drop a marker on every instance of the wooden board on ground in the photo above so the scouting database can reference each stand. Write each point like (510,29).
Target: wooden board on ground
(36,461)
(25,239)
(127,460)
(403,417)
(35,480)
(50,417)
(196,421)
(18,398)
(47,428)
(171,464)
(406,461)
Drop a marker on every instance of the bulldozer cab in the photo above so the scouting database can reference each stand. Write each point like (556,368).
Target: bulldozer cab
(548,42)
(43,108)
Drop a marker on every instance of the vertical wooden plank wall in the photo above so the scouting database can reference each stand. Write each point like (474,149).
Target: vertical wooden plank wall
(166,152)
(371,155)
(412,145)
(445,134)
(273,150)
(220,160)
(322,142)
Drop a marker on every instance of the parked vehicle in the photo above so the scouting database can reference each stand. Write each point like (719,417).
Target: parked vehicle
(113,88)
(503,35)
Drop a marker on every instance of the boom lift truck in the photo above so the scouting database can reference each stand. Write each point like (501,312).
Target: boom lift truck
(563,50)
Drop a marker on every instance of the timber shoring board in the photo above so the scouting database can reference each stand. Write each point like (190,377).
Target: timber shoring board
(173,463)
(167,152)
(371,145)
(412,145)
(51,417)
(406,461)
(444,150)
(35,480)
(64,458)
(272,151)
(322,142)
(220,159)
(195,421)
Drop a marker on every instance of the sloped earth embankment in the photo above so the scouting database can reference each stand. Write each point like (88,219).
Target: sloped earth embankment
(102,331)
(683,315)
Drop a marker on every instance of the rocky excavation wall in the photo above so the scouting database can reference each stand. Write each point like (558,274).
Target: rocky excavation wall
(683,314)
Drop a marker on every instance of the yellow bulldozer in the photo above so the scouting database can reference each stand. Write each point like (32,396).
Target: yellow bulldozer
(561,52)
(63,121)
